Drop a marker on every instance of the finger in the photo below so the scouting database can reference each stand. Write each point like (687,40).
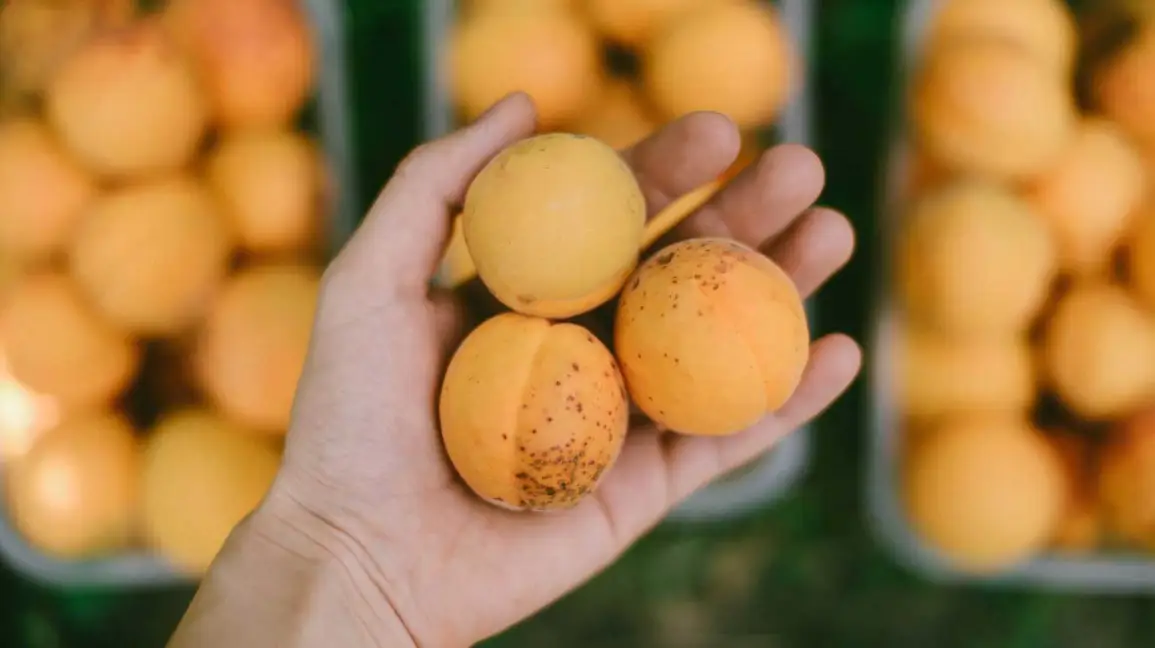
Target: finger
(694,462)
(763,199)
(818,244)
(405,232)
(656,471)
(687,152)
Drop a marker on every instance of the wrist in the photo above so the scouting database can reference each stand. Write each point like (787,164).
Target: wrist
(285,578)
(333,571)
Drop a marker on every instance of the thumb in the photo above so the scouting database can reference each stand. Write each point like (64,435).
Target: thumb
(402,239)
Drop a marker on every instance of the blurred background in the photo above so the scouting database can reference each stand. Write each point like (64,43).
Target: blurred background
(174,175)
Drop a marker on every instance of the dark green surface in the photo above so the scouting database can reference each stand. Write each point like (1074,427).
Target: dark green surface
(805,573)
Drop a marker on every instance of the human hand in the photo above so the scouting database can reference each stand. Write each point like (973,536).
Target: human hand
(365,480)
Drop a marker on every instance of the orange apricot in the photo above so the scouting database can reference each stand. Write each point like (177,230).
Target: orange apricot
(711,336)
(532,413)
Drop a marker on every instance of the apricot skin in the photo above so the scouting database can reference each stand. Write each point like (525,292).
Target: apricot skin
(712,336)
(543,243)
(532,413)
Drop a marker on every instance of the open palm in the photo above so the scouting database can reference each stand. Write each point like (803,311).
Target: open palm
(364,455)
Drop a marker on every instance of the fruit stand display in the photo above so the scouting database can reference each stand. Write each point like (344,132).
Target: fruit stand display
(1015,383)
(617,71)
(169,191)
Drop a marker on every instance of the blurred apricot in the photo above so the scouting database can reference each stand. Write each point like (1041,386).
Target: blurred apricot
(151,275)
(987,492)
(56,343)
(974,260)
(36,35)
(730,57)
(984,107)
(268,182)
(127,104)
(75,493)
(256,58)
(553,56)
(1089,197)
(43,191)
(202,476)
(253,346)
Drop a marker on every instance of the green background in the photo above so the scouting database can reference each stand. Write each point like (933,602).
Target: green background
(806,572)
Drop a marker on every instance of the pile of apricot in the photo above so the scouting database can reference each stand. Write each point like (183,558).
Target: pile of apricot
(160,212)
(1024,272)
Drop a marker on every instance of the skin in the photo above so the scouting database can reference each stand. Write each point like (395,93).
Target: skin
(367,538)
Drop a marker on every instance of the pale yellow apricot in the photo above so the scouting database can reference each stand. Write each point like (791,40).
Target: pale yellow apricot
(543,242)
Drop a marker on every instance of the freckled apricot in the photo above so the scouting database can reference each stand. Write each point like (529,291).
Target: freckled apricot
(532,413)
(543,242)
(711,336)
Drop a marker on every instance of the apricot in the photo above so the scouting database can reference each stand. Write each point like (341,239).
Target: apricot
(74,494)
(551,55)
(1089,197)
(986,492)
(268,182)
(532,413)
(543,242)
(620,117)
(985,107)
(1126,483)
(730,57)
(941,376)
(37,35)
(42,191)
(1043,28)
(1141,252)
(973,259)
(57,345)
(635,22)
(1099,351)
(256,58)
(1124,88)
(1080,528)
(711,336)
(126,103)
(252,348)
(202,475)
(150,256)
